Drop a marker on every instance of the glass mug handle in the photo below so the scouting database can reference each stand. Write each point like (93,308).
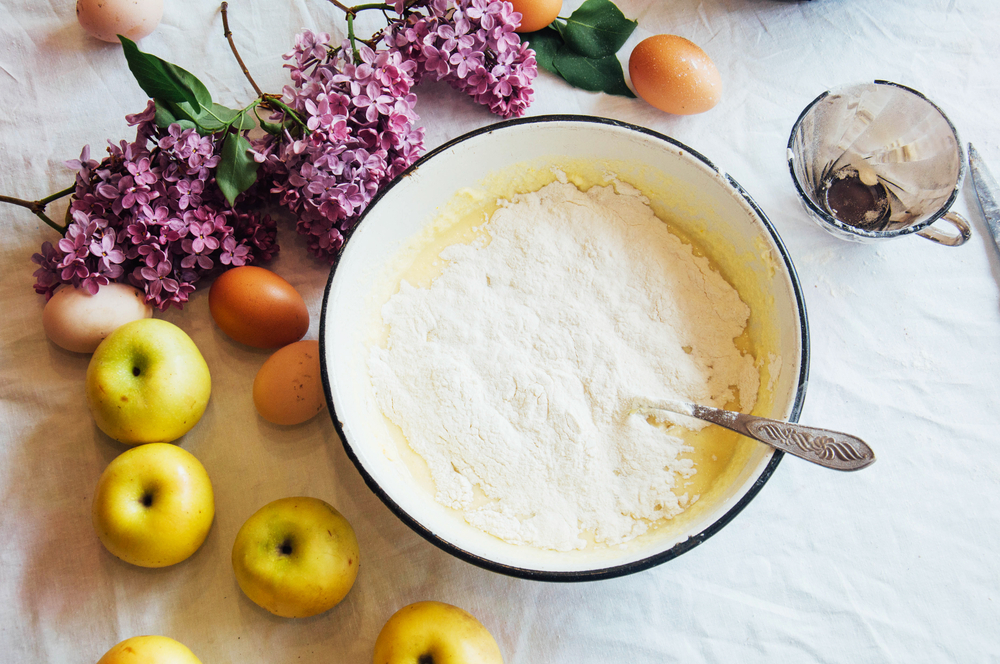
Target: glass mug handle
(949,239)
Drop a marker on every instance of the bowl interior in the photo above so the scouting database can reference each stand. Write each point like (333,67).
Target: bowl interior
(896,133)
(706,208)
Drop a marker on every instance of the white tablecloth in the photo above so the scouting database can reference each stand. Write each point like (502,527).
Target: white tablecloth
(894,563)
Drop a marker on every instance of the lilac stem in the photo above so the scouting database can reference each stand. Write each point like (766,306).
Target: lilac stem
(38,207)
(228,34)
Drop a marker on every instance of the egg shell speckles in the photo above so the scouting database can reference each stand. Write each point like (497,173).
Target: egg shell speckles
(106,19)
(674,75)
(258,308)
(535,14)
(288,388)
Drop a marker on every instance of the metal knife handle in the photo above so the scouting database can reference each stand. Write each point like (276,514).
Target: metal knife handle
(988,192)
(831,449)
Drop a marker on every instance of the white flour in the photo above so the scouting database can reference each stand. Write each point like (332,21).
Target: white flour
(512,374)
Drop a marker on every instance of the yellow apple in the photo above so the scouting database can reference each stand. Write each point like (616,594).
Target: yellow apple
(149,650)
(153,505)
(435,633)
(296,557)
(147,383)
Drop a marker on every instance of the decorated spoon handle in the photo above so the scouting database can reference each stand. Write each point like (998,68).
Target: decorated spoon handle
(831,449)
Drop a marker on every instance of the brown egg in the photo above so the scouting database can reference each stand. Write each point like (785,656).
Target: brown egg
(288,388)
(258,308)
(536,14)
(674,75)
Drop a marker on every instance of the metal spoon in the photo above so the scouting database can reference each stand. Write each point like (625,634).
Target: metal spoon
(830,449)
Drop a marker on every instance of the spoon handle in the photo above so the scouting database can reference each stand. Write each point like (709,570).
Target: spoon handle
(830,449)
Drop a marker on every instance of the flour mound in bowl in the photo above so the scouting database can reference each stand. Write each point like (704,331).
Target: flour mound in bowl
(511,375)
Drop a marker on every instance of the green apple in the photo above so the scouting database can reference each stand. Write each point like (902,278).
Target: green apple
(149,650)
(147,383)
(296,557)
(435,633)
(153,505)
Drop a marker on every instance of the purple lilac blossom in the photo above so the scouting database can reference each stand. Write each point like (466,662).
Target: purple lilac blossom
(472,45)
(151,215)
(361,134)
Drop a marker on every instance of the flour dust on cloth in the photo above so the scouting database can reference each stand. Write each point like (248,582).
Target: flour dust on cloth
(509,373)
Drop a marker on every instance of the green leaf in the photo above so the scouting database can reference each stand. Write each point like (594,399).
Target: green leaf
(218,117)
(272,128)
(164,115)
(288,122)
(201,93)
(242,121)
(276,129)
(237,170)
(594,74)
(545,43)
(206,120)
(182,113)
(161,80)
(597,29)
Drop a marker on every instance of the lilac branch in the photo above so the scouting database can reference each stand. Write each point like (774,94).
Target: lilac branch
(38,207)
(227,33)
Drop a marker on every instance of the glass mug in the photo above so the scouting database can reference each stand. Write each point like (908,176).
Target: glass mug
(878,160)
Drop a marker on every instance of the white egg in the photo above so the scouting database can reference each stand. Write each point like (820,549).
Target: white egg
(78,321)
(106,19)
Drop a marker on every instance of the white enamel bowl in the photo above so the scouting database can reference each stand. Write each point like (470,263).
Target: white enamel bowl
(686,189)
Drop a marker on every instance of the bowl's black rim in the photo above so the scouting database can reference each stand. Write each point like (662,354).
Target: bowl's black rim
(860,232)
(605,572)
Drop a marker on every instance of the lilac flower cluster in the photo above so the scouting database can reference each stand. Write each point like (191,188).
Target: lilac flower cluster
(151,215)
(472,45)
(359,134)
